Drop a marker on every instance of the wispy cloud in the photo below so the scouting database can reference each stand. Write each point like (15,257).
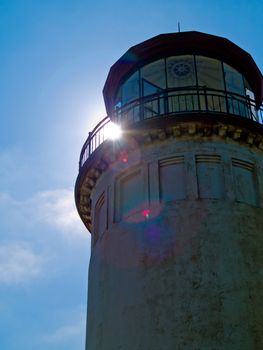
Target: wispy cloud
(19,264)
(53,208)
(65,332)
(73,328)
(56,208)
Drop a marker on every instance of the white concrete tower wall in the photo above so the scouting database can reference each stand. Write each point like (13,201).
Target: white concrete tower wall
(183,269)
(175,208)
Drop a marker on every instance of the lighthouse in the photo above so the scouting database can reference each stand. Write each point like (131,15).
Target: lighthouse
(170,186)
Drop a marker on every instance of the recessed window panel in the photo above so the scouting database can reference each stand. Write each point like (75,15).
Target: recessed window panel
(244,177)
(100,217)
(172,179)
(209,176)
(153,77)
(131,89)
(130,198)
(180,71)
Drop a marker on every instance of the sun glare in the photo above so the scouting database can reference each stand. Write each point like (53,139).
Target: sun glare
(112,131)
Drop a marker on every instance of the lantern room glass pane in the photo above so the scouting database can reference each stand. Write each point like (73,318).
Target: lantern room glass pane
(180,71)
(209,73)
(129,114)
(118,100)
(248,88)
(153,77)
(234,80)
(251,107)
(131,88)
(153,107)
(182,101)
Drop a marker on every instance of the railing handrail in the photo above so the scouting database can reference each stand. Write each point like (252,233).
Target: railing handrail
(88,147)
(96,128)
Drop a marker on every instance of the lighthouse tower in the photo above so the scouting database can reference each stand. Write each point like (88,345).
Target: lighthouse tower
(175,203)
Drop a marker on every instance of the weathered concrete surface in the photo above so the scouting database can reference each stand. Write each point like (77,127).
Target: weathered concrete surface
(189,277)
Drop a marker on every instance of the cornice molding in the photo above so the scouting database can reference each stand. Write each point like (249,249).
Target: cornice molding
(104,156)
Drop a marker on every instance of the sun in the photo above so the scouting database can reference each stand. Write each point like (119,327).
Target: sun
(112,131)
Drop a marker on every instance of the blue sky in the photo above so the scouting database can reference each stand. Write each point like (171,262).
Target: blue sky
(54,60)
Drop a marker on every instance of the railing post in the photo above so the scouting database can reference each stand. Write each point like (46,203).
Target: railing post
(227,105)
(89,138)
(166,103)
(206,101)
(198,98)
(142,109)
(249,108)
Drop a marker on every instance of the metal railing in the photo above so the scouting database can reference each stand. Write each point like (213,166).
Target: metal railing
(172,102)
(95,138)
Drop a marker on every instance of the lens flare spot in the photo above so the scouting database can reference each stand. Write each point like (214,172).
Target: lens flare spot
(146,213)
(124,157)
(112,131)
